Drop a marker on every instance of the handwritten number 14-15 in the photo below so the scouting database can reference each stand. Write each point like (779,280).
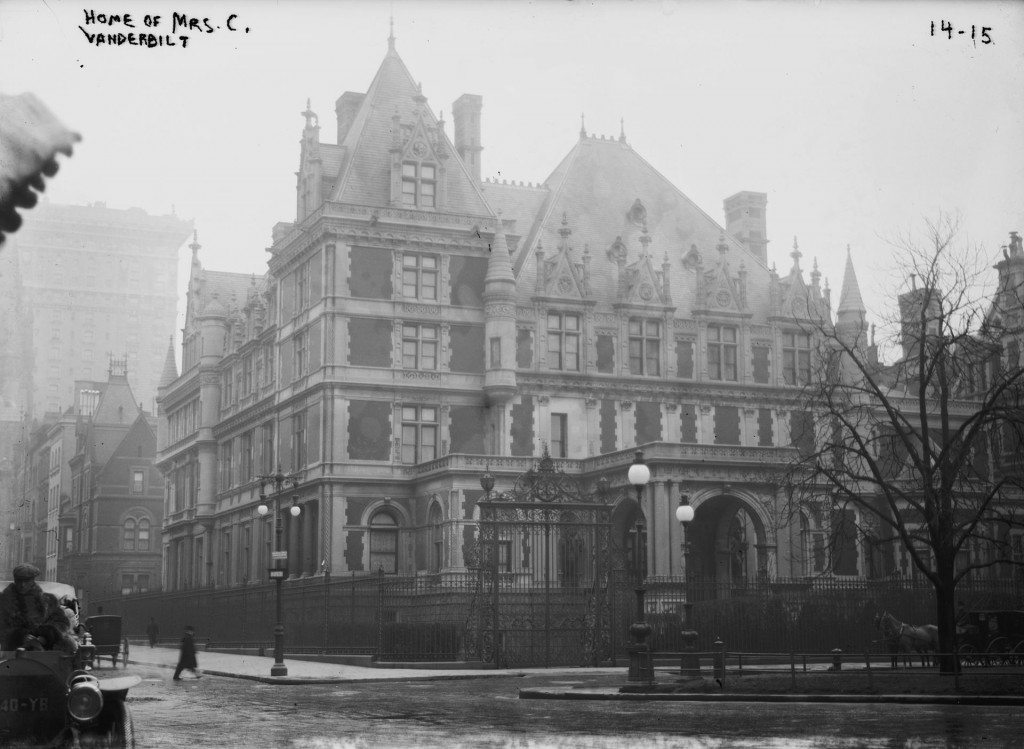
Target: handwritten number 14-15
(945,27)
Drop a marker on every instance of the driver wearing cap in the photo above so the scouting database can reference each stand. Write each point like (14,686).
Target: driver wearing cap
(30,618)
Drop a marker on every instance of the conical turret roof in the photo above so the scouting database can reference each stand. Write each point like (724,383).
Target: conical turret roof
(850,299)
(170,373)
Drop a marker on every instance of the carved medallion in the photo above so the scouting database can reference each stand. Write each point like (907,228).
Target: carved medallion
(646,292)
(565,284)
(722,298)
(419,149)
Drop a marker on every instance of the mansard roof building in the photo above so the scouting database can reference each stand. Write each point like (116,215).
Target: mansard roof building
(418,327)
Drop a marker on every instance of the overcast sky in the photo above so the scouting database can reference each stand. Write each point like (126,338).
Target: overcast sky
(855,120)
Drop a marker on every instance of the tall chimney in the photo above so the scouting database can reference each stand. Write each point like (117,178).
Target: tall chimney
(345,108)
(466,113)
(745,220)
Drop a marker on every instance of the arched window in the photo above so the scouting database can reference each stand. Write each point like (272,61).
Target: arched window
(436,539)
(383,542)
(143,543)
(129,534)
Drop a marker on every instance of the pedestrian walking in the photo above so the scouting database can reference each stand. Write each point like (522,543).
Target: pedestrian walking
(152,630)
(187,655)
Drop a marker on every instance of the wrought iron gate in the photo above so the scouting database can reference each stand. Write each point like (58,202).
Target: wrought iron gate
(546,574)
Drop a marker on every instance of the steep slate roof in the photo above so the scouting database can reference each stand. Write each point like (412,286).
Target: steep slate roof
(231,288)
(517,203)
(365,179)
(595,186)
(126,451)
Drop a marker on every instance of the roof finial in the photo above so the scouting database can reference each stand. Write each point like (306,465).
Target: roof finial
(195,244)
(622,130)
(391,35)
(309,114)
(583,128)
(796,254)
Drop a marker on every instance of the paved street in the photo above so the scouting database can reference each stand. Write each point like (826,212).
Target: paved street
(486,712)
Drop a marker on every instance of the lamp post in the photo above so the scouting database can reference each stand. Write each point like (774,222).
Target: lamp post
(641,666)
(689,664)
(277,572)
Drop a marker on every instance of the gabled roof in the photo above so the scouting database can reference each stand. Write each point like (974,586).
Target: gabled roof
(597,186)
(139,434)
(365,179)
(170,372)
(117,404)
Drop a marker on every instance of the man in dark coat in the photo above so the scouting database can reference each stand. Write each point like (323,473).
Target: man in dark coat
(187,655)
(30,618)
(152,631)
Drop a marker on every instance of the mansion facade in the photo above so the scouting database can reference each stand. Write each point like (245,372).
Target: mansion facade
(419,327)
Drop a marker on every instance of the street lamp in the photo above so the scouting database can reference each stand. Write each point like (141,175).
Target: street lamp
(641,665)
(689,664)
(277,572)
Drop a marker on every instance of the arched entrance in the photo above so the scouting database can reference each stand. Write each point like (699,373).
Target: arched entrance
(728,544)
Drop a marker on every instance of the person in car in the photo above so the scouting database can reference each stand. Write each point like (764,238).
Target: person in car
(30,618)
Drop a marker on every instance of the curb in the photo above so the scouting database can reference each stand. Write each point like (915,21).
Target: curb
(312,680)
(888,699)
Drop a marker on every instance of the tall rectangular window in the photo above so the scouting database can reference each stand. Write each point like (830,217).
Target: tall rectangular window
(419,433)
(302,287)
(559,436)
(419,277)
(299,439)
(564,341)
(227,470)
(722,353)
(496,353)
(246,375)
(246,458)
(301,347)
(268,449)
(644,347)
(419,347)
(418,185)
(796,358)
(138,481)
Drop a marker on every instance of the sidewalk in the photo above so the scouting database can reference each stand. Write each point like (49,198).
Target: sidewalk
(257,668)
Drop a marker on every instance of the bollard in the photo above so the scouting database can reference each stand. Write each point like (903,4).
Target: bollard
(689,660)
(837,659)
(719,660)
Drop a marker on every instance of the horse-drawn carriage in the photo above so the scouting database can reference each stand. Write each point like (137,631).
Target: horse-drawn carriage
(107,638)
(991,638)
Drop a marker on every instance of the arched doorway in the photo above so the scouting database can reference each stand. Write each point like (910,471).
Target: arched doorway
(727,544)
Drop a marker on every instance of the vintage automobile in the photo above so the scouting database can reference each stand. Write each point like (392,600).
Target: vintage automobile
(50,698)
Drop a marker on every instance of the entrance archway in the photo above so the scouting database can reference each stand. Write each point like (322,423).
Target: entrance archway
(728,543)
(629,538)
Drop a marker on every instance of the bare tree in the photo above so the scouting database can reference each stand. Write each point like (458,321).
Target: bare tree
(925,452)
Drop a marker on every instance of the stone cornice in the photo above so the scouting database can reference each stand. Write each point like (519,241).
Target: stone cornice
(587,385)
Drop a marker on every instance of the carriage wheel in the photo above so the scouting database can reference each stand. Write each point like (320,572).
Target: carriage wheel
(124,652)
(968,655)
(998,652)
(1018,654)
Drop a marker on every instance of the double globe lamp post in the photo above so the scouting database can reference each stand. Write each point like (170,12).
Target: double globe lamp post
(277,571)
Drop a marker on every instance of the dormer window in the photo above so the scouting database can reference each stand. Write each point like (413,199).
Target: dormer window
(419,185)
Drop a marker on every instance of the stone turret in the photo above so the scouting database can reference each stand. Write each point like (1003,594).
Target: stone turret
(500,321)
(851,317)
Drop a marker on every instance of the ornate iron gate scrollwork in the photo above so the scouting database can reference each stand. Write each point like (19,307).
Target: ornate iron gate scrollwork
(544,560)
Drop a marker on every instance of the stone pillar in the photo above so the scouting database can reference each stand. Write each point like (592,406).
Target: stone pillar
(294,539)
(659,529)
(309,523)
(705,425)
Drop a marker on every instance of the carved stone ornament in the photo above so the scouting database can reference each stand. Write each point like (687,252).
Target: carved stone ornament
(646,292)
(565,284)
(419,148)
(722,298)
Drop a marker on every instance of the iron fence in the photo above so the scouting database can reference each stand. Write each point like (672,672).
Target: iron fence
(443,617)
